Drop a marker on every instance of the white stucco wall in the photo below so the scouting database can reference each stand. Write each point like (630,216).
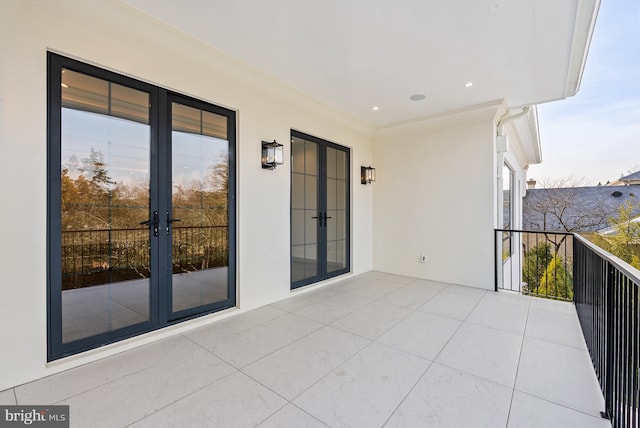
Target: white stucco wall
(434,195)
(113,36)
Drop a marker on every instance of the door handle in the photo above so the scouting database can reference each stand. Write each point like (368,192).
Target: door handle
(322,216)
(169,221)
(325,219)
(153,223)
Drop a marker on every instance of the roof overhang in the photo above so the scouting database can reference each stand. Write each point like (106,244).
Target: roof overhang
(358,54)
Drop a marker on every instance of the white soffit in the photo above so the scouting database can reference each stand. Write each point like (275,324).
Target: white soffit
(357,54)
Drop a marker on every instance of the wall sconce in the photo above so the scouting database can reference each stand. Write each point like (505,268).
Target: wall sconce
(367,174)
(272,154)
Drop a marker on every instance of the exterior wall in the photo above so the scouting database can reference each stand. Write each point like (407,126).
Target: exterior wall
(435,195)
(113,36)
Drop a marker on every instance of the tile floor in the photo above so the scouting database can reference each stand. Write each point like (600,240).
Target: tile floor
(374,350)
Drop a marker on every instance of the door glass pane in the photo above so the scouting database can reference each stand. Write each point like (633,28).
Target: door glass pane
(105,195)
(507,207)
(200,231)
(336,209)
(304,210)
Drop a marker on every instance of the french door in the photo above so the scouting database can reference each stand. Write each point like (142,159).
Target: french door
(319,209)
(141,207)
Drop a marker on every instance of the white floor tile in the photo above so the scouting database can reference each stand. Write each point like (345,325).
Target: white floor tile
(413,295)
(373,274)
(504,311)
(399,279)
(345,285)
(374,289)
(126,400)
(467,291)
(334,308)
(485,352)
(229,326)
(421,333)
(299,301)
(58,387)
(452,304)
(365,390)
(296,367)
(372,320)
(254,343)
(553,305)
(560,374)
(7,397)
(235,401)
(314,349)
(447,398)
(531,412)
(555,326)
(292,417)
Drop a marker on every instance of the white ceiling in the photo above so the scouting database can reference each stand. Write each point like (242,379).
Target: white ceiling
(356,54)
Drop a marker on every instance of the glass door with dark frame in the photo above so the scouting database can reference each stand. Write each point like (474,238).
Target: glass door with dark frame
(141,207)
(319,209)
(105,195)
(199,215)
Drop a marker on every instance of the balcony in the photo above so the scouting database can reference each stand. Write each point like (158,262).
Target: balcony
(369,351)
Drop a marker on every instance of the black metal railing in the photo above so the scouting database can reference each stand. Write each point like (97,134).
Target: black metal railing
(605,290)
(99,256)
(606,297)
(534,263)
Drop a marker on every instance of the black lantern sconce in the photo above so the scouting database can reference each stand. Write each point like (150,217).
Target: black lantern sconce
(367,174)
(272,154)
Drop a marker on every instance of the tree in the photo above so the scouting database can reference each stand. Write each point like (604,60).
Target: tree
(625,241)
(535,264)
(556,281)
(96,169)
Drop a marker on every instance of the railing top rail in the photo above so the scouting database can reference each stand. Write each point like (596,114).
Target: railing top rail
(621,265)
(550,232)
(145,228)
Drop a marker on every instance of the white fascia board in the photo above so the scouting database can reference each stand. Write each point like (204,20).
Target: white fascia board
(525,135)
(535,154)
(586,13)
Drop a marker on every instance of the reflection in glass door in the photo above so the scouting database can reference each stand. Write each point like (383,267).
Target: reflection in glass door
(199,212)
(304,210)
(319,209)
(105,173)
(141,207)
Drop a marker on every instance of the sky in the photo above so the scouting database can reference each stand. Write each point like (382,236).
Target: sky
(594,137)
(125,147)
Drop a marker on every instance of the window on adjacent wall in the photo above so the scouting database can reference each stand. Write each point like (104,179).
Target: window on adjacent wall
(507,210)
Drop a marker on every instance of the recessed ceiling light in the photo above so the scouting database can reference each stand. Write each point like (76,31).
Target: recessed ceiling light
(417,97)
(64,85)
(375,108)
(468,84)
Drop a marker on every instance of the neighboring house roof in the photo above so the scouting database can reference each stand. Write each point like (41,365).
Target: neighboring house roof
(627,180)
(612,230)
(583,209)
